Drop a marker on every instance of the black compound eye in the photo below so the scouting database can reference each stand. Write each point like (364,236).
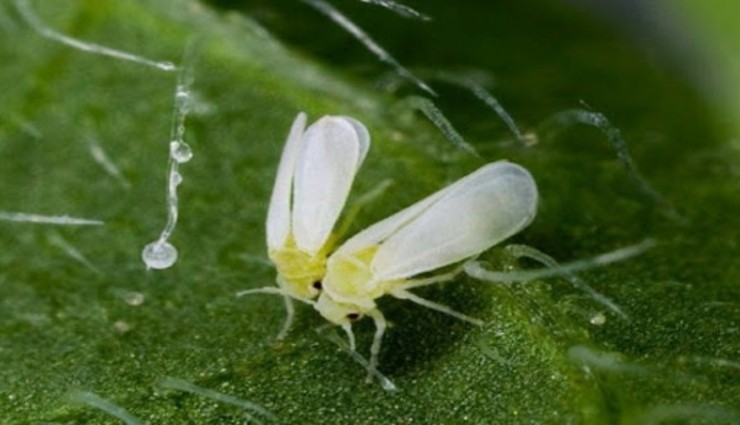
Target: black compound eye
(317,285)
(353,316)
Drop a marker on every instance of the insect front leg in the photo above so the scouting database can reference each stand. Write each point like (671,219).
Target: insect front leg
(347,328)
(287,298)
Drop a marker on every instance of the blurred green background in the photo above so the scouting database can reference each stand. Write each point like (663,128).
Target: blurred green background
(664,74)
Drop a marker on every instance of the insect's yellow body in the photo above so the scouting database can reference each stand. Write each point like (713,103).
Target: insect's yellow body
(299,273)
(350,288)
(449,226)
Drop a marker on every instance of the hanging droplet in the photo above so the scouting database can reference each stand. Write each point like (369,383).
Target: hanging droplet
(159,255)
(180,151)
(175,178)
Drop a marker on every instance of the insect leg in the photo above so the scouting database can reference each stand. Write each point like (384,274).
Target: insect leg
(445,277)
(406,295)
(264,290)
(275,291)
(289,315)
(289,309)
(347,327)
(380,326)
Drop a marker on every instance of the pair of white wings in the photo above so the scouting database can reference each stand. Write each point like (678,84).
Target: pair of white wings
(455,223)
(316,171)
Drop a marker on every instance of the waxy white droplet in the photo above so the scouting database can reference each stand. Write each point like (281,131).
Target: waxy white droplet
(159,255)
(180,152)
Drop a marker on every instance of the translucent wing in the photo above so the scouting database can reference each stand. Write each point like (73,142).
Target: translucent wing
(467,218)
(374,234)
(278,214)
(379,231)
(363,137)
(332,152)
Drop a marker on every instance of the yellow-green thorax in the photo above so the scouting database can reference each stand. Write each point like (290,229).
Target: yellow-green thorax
(300,271)
(350,280)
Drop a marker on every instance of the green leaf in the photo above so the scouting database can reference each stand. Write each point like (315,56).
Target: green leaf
(83,323)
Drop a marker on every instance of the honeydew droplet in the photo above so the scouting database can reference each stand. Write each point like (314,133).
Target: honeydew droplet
(159,255)
(180,151)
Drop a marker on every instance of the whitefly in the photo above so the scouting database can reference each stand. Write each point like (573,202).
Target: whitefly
(452,225)
(316,171)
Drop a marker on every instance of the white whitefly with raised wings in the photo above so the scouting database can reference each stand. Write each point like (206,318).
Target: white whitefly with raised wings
(316,171)
(456,223)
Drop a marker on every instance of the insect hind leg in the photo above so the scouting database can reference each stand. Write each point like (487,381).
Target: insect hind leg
(440,278)
(406,295)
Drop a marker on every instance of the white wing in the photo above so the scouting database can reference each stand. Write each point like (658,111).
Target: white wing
(278,214)
(379,231)
(332,152)
(467,218)
(363,137)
